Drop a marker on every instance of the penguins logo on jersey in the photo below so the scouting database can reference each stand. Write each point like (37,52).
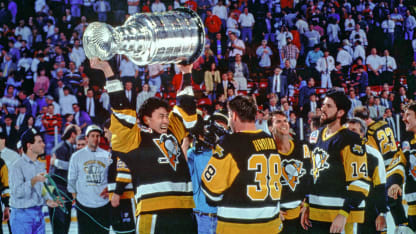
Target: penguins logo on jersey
(292,171)
(169,147)
(412,160)
(319,162)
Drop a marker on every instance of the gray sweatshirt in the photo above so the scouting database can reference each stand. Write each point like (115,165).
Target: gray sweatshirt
(87,176)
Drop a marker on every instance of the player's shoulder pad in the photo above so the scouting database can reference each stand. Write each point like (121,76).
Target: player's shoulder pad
(219,149)
(313,138)
(405,146)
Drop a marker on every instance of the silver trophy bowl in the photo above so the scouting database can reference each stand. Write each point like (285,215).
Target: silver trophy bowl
(149,38)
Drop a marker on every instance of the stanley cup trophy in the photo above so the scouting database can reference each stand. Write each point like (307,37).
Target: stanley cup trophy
(149,38)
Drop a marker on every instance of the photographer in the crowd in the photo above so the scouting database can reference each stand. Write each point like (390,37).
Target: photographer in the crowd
(198,156)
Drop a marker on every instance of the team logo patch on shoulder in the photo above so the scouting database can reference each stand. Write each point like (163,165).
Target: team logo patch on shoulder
(170,149)
(292,171)
(319,162)
(313,138)
(405,146)
(218,151)
(358,149)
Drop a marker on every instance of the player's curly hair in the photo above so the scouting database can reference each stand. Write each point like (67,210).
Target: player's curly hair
(151,105)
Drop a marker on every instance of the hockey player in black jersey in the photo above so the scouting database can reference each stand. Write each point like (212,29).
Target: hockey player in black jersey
(152,152)
(243,175)
(380,136)
(339,170)
(120,191)
(295,159)
(376,202)
(402,170)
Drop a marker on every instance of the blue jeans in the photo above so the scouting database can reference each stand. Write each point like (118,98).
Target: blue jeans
(246,32)
(206,224)
(28,220)
(50,142)
(102,16)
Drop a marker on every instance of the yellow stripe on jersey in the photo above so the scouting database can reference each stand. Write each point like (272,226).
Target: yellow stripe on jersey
(411,210)
(397,165)
(358,189)
(164,203)
(327,215)
(4,175)
(146,223)
(125,195)
(292,213)
(188,119)
(124,138)
(376,177)
(220,173)
(372,142)
(274,226)
(176,127)
(123,180)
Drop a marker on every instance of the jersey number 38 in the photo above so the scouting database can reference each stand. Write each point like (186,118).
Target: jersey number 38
(267,177)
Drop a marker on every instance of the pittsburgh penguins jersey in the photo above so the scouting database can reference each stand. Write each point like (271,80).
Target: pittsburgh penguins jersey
(243,179)
(4,183)
(340,176)
(119,179)
(159,171)
(403,169)
(377,174)
(381,137)
(294,180)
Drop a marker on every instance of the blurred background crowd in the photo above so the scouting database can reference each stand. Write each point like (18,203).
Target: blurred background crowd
(284,53)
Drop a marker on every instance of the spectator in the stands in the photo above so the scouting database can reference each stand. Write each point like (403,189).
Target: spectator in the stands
(306,91)
(388,68)
(102,7)
(52,124)
(11,133)
(374,65)
(325,65)
(235,46)
(264,53)
(66,101)
(158,6)
(82,119)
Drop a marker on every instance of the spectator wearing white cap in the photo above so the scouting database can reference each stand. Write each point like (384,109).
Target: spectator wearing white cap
(87,181)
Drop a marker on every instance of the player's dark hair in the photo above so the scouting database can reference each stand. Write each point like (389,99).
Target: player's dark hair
(151,105)
(341,101)
(68,131)
(245,108)
(28,138)
(278,112)
(362,113)
(411,106)
(107,124)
